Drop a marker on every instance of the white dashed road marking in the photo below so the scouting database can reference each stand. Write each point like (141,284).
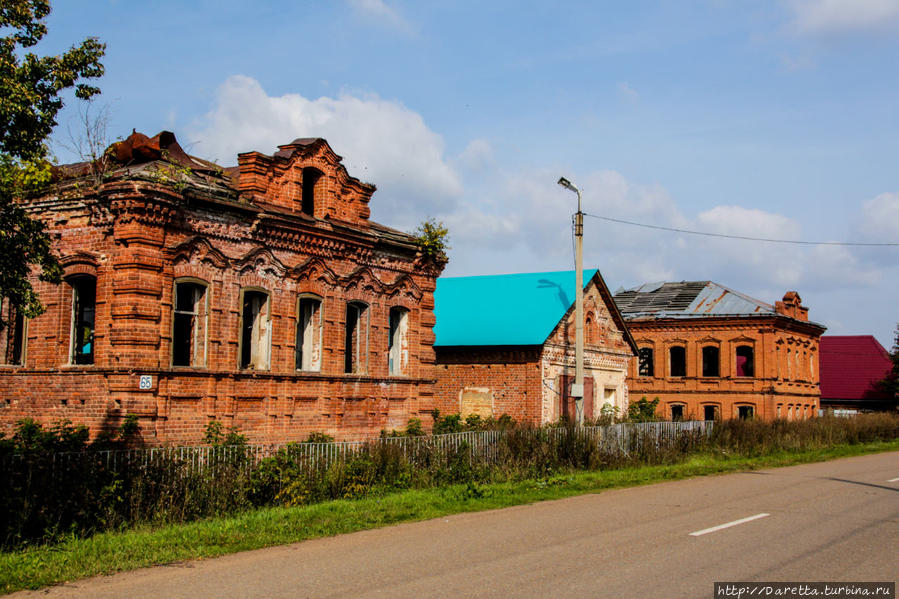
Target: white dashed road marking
(706,531)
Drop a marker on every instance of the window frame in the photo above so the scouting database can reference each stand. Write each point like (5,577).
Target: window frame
(74,282)
(205,325)
(682,407)
(671,374)
(18,333)
(361,346)
(268,332)
(318,336)
(402,331)
(717,361)
(751,361)
(652,365)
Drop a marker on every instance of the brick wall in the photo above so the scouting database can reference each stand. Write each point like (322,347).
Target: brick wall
(139,234)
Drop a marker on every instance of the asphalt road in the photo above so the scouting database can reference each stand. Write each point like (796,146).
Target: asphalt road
(833,521)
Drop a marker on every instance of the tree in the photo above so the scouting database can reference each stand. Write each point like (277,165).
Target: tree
(890,383)
(30,99)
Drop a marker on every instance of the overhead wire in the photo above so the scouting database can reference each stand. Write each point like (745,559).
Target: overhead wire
(743,237)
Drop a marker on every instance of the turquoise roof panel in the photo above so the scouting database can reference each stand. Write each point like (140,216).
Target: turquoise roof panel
(516,309)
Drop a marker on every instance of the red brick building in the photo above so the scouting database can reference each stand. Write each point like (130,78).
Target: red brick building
(505,345)
(709,352)
(261,296)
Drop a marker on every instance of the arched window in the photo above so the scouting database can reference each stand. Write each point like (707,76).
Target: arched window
(677,361)
(710,361)
(355,352)
(84,308)
(310,179)
(745,361)
(12,334)
(255,329)
(677,412)
(397,349)
(309,333)
(746,412)
(189,324)
(710,412)
(646,366)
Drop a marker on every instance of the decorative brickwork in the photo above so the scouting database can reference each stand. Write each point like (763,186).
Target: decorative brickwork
(759,361)
(197,275)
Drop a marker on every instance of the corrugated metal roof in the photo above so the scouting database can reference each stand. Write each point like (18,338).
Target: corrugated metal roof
(514,309)
(687,299)
(850,366)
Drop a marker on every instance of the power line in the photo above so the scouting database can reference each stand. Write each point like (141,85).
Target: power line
(746,238)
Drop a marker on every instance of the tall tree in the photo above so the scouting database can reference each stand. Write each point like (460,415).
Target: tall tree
(30,98)
(890,383)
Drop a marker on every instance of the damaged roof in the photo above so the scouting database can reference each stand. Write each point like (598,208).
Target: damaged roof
(687,299)
(513,309)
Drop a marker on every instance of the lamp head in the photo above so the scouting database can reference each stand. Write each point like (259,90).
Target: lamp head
(567,184)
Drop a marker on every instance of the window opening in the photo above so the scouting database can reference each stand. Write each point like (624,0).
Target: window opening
(397,350)
(710,413)
(710,361)
(309,336)
(254,352)
(189,325)
(677,413)
(646,367)
(355,338)
(12,334)
(745,366)
(745,412)
(84,307)
(678,361)
(310,179)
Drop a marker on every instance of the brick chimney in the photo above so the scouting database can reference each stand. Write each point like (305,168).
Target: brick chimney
(791,306)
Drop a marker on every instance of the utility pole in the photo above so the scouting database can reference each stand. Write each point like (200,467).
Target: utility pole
(577,389)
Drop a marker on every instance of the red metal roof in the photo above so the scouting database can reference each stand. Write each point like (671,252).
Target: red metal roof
(850,367)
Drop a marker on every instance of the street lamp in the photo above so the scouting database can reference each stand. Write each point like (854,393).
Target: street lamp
(577,389)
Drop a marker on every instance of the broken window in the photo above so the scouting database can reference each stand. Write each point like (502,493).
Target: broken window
(710,361)
(84,307)
(745,366)
(355,347)
(397,350)
(677,356)
(255,330)
(189,325)
(677,412)
(309,334)
(646,367)
(310,179)
(745,412)
(710,412)
(12,334)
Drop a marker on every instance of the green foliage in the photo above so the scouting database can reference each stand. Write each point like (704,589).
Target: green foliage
(890,383)
(319,437)
(432,237)
(642,410)
(30,88)
(218,435)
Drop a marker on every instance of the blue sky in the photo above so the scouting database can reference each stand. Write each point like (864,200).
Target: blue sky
(772,118)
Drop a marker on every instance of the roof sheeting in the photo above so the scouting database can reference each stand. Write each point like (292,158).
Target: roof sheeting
(515,309)
(850,366)
(687,299)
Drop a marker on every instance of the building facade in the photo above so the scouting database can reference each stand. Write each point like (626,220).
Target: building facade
(708,352)
(260,296)
(505,345)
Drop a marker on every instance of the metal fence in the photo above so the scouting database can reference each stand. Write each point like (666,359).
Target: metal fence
(482,447)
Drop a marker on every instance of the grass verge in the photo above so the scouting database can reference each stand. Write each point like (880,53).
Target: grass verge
(112,552)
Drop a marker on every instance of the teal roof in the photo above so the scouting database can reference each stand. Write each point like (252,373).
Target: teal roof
(518,309)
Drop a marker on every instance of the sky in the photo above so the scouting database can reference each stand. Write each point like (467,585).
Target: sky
(769,118)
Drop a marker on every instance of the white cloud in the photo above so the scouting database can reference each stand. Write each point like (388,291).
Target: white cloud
(383,142)
(627,92)
(843,16)
(477,156)
(880,218)
(380,12)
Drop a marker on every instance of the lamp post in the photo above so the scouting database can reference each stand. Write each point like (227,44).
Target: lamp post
(577,389)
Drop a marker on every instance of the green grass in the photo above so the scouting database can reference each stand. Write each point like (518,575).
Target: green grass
(111,552)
